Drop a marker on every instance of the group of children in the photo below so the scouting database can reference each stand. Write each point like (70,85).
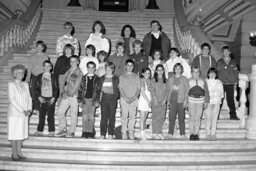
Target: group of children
(96,80)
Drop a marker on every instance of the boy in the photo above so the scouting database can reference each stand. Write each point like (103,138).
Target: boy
(204,61)
(140,60)
(69,98)
(198,99)
(88,99)
(228,74)
(119,59)
(47,92)
(129,87)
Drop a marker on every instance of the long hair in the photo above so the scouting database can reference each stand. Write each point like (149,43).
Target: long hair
(133,34)
(156,75)
(102,27)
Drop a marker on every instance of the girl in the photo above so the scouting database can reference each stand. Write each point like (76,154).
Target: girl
(90,56)
(177,99)
(216,94)
(128,36)
(102,58)
(97,37)
(144,103)
(157,59)
(159,92)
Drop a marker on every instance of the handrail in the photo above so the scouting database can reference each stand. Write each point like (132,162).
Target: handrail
(196,32)
(17,32)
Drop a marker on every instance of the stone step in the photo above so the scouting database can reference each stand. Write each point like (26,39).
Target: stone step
(221,133)
(222,123)
(134,156)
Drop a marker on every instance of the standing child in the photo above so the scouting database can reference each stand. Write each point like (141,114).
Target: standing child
(89,56)
(88,99)
(177,98)
(159,92)
(108,88)
(197,101)
(157,59)
(129,87)
(34,69)
(119,59)
(69,98)
(47,92)
(138,57)
(62,65)
(216,94)
(144,103)
(228,74)
(102,58)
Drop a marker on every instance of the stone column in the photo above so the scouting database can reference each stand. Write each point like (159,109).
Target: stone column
(251,120)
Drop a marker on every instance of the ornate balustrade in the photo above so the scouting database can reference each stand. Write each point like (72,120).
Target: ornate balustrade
(17,32)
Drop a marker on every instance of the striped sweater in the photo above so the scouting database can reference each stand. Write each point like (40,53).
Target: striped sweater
(206,98)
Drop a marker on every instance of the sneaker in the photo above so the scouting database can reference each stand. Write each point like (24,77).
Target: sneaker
(155,137)
(169,137)
(124,136)
(131,136)
(208,137)
(62,133)
(38,133)
(51,134)
(161,136)
(90,134)
(110,137)
(183,137)
(213,138)
(102,137)
(143,136)
(70,135)
(234,118)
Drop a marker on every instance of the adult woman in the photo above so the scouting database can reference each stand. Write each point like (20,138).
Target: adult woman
(97,37)
(20,105)
(128,36)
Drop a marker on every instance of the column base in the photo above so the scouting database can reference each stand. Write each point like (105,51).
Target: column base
(251,128)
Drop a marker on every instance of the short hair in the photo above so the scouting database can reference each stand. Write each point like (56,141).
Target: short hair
(133,34)
(175,50)
(195,67)
(48,62)
(102,53)
(137,42)
(110,65)
(158,23)
(226,48)
(206,45)
(157,50)
(17,67)
(212,70)
(92,48)
(120,44)
(102,29)
(178,65)
(71,25)
(68,46)
(74,57)
(41,43)
(145,70)
(91,63)
(129,61)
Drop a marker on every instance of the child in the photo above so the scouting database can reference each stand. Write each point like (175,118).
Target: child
(204,61)
(102,58)
(119,59)
(47,92)
(197,101)
(177,99)
(88,99)
(175,58)
(108,87)
(144,103)
(140,59)
(159,93)
(90,56)
(67,38)
(129,87)
(157,59)
(69,98)
(216,94)
(228,74)
(34,69)
(62,65)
